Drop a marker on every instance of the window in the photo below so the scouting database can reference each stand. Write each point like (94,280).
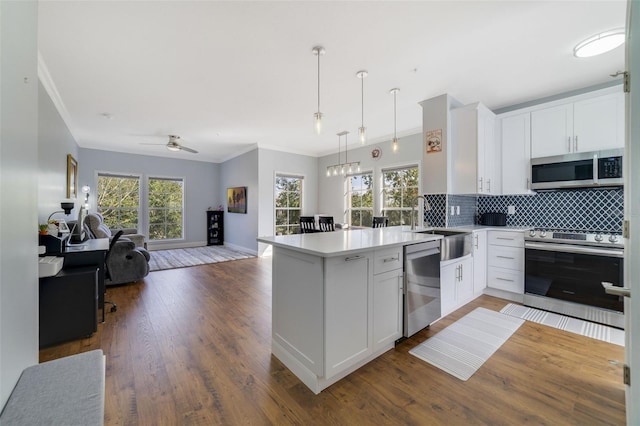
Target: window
(288,197)
(119,200)
(360,199)
(399,188)
(166,197)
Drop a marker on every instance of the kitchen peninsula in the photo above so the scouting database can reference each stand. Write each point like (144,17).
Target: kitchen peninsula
(337,299)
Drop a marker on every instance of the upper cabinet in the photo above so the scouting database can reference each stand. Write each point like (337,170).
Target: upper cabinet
(591,124)
(516,153)
(474,151)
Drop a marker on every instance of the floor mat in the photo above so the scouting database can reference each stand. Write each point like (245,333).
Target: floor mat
(180,258)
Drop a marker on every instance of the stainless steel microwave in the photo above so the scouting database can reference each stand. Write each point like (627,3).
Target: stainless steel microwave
(581,170)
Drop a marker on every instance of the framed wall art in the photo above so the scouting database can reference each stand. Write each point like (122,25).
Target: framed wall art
(72,177)
(433,140)
(237,199)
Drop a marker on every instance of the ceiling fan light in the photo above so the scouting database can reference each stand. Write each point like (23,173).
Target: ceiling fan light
(599,43)
(173,148)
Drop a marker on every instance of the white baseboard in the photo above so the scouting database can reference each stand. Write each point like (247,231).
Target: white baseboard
(507,295)
(241,248)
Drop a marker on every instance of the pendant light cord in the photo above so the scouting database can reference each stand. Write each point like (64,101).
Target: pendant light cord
(362,99)
(318,81)
(394,114)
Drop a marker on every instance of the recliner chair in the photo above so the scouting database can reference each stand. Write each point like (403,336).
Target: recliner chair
(125,262)
(95,222)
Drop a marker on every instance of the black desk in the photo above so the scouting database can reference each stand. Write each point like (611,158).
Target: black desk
(89,253)
(68,305)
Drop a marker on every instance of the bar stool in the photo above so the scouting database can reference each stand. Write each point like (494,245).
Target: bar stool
(380,222)
(307,225)
(326,224)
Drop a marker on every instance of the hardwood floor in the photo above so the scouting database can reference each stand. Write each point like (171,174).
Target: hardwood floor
(192,346)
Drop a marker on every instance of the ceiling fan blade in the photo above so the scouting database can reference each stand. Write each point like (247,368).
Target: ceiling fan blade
(147,143)
(184,148)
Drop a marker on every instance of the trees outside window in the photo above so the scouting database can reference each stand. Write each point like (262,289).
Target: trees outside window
(118,200)
(399,188)
(359,198)
(166,196)
(288,202)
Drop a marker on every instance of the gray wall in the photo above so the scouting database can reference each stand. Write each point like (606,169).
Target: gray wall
(18,192)
(331,190)
(241,230)
(54,143)
(202,189)
(271,162)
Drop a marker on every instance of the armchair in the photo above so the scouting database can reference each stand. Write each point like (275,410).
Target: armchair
(125,262)
(95,221)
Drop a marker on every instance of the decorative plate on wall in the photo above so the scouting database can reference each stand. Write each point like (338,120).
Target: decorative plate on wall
(376,153)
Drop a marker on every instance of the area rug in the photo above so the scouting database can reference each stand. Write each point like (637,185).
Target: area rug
(462,348)
(180,258)
(562,322)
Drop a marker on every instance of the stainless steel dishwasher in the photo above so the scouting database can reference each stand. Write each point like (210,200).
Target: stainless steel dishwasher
(421,286)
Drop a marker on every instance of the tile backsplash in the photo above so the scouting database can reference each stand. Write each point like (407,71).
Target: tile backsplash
(576,209)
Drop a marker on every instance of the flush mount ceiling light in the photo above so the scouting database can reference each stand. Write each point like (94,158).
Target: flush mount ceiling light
(317,117)
(346,167)
(362,131)
(394,144)
(599,43)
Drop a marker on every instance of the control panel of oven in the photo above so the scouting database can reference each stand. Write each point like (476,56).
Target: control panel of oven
(597,238)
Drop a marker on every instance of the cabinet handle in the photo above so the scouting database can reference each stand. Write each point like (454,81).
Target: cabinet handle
(528,184)
(504,238)
(504,279)
(458,273)
(488,185)
(575,144)
(480,184)
(349,259)
(476,240)
(505,257)
(461,269)
(569,144)
(391,259)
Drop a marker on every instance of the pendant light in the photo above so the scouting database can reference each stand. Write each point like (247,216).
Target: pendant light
(394,144)
(362,131)
(347,167)
(318,51)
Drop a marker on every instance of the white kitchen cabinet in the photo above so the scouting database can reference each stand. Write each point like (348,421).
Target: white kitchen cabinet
(516,153)
(387,308)
(474,151)
(505,261)
(348,337)
(456,283)
(479,252)
(579,125)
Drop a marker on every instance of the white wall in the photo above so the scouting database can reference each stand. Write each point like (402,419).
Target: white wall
(54,143)
(241,230)
(271,162)
(202,185)
(331,190)
(18,191)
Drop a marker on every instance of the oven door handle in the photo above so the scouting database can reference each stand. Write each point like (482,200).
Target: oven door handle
(568,248)
(615,290)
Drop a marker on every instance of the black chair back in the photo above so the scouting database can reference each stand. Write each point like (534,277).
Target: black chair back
(326,224)
(307,224)
(380,222)
(113,241)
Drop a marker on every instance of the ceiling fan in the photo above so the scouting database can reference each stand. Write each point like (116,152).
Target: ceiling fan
(175,145)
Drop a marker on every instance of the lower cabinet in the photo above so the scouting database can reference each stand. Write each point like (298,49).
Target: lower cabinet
(348,337)
(387,308)
(479,251)
(456,283)
(505,263)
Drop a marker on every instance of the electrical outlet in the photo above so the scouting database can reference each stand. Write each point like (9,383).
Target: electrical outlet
(511,209)
(453,210)
(457,210)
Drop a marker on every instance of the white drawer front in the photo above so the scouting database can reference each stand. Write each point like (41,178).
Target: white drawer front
(505,238)
(507,257)
(387,260)
(506,279)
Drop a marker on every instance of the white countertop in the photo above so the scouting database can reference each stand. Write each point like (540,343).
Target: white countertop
(341,242)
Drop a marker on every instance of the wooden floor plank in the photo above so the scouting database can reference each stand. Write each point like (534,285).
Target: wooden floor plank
(192,346)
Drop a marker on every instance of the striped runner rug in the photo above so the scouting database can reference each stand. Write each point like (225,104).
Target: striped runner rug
(462,348)
(562,322)
(180,258)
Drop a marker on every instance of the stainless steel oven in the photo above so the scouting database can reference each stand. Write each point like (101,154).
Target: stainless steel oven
(564,272)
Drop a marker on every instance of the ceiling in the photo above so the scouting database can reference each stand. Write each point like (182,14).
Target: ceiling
(230,76)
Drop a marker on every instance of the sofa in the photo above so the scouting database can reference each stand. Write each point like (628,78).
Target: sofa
(96,225)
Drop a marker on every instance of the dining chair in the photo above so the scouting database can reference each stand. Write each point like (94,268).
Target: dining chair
(326,224)
(307,224)
(380,222)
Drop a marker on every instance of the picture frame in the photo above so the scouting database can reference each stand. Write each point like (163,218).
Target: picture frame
(433,141)
(237,199)
(72,177)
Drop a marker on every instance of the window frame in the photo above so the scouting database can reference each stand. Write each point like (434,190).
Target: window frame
(93,201)
(348,197)
(149,208)
(403,209)
(289,225)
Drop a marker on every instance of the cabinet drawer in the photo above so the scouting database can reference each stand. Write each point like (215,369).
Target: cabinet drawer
(387,260)
(507,257)
(505,238)
(505,279)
